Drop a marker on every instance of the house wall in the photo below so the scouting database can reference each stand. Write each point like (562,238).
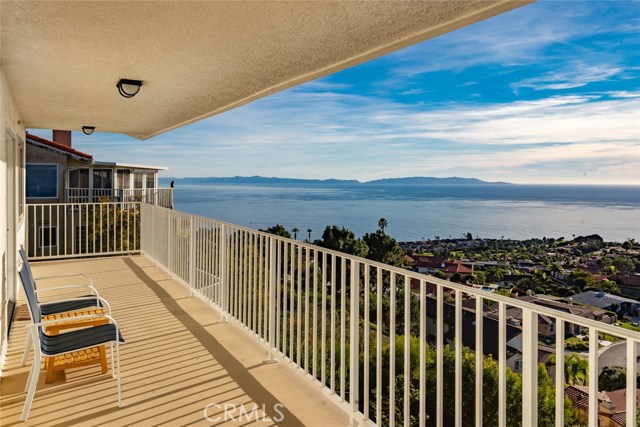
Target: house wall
(42,155)
(11,222)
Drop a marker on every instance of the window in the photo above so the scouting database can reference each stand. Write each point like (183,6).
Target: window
(102,178)
(48,237)
(79,178)
(124,180)
(518,366)
(42,181)
(138,179)
(151,180)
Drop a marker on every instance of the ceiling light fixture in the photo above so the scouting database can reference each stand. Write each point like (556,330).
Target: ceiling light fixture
(129,88)
(88,130)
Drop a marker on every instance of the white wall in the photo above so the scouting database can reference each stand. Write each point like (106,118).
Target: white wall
(11,131)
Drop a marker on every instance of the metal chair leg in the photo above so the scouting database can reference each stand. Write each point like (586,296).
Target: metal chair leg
(33,383)
(118,367)
(27,349)
(113,366)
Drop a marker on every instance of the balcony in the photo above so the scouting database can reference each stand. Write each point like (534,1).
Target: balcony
(156,196)
(357,342)
(179,358)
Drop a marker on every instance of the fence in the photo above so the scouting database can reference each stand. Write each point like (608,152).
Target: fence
(155,196)
(71,230)
(394,347)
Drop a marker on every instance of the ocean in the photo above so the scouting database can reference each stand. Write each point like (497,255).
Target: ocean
(419,212)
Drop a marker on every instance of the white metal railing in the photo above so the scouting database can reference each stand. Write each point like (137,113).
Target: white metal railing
(391,354)
(71,230)
(156,196)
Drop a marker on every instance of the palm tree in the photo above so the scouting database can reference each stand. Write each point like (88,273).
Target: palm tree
(309,232)
(295,233)
(382,224)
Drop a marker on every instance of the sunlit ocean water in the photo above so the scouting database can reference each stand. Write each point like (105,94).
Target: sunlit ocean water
(418,212)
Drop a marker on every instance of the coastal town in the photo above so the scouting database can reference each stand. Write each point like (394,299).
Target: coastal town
(584,276)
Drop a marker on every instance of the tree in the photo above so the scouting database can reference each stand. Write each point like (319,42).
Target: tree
(468,236)
(581,279)
(612,378)
(278,230)
(624,265)
(383,248)
(295,233)
(382,224)
(343,240)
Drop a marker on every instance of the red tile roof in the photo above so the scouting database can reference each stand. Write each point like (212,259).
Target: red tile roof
(456,267)
(59,147)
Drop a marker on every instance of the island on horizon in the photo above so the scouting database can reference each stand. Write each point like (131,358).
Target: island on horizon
(415,180)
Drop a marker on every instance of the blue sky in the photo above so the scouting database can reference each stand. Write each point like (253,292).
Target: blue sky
(547,93)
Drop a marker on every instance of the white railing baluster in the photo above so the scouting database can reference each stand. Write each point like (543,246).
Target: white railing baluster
(529,368)
(559,373)
(422,400)
(502,364)
(479,360)
(593,377)
(392,349)
(632,372)
(439,356)
(458,359)
(367,330)
(354,341)
(407,348)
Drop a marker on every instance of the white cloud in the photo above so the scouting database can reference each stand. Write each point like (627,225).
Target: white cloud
(572,76)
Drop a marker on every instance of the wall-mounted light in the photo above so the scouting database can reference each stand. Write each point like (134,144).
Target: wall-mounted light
(129,88)
(88,130)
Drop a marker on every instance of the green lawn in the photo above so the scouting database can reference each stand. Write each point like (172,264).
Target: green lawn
(628,325)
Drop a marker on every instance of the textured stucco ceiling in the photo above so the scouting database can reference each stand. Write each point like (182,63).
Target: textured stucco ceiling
(63,59)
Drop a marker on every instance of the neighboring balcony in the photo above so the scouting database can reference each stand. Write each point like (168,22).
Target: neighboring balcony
(156,196)
(366,343)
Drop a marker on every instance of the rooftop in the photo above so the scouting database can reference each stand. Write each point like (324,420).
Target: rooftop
(178,358)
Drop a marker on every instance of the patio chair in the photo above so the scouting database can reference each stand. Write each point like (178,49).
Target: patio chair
(48,308)
(53,345)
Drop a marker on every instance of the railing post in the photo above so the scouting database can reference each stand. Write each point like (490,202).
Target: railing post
(354,341)
(223,288)
(272,299)
(192,254)
(529,368)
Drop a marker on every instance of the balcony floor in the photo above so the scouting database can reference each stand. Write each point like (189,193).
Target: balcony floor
(178,358)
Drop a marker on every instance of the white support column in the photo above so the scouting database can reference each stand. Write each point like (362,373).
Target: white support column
(529,368)
(192,254)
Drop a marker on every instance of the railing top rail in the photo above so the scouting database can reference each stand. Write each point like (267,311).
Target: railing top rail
(540,310)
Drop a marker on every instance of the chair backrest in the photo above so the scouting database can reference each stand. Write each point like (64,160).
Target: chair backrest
(25,262)
(28,285)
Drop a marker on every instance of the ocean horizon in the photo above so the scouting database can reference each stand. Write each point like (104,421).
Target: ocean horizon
(420,212)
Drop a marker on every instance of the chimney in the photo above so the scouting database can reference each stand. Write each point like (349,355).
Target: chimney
(62,137)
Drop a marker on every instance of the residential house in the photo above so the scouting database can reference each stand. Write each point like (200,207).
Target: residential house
(56,173)
(605,301)
(612,405)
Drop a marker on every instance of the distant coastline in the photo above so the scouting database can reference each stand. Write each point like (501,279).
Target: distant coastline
(415,180)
